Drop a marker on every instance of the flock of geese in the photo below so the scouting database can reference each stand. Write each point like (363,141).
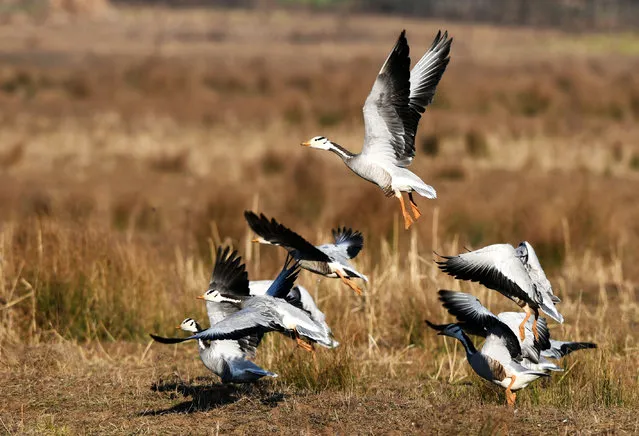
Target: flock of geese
(517,345)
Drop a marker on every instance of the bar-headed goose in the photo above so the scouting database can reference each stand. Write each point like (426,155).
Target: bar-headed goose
(530,354)
(223,358)
(501,359)
(466,308)
(496,361)
(391,114)
(257,315)
(329,260)
(515,273)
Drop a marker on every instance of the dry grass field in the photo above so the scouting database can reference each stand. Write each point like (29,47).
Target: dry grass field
(131,143)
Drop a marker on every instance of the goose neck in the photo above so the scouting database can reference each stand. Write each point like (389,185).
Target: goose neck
(344,154)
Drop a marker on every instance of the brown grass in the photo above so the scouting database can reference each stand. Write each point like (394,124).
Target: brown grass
(121,171)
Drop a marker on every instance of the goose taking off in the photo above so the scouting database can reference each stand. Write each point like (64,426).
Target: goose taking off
(257,315)
(496,361)
(223,359)
(468,310)
(515,273)
(503,359)
(391,114)
(227,358)
(329,260)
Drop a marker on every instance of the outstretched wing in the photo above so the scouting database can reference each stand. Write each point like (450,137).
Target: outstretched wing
(495,267)
(229,277)
(229,273)
(471,313)
(272,232)
(559,349)
(164,340)
(242,323)
(426,74)
(398,98)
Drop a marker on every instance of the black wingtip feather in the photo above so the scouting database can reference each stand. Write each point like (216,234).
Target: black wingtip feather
(164,340)
(278,234)
(229,273)
(574,346)
(354,239)
(285,280)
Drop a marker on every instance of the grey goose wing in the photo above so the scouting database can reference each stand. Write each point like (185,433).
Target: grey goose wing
(472,314)
(238,325)
(426,74)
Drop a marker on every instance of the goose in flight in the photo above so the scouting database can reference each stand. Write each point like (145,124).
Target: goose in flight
(223,358)
(391,114)
(257,315)
(329,260)
(514,272)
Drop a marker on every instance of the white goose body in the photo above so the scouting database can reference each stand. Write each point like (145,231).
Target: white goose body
(225,358)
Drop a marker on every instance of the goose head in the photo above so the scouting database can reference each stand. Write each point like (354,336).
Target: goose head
(189,325)
(527,255)
(215,296)
(522,251)
(319,142)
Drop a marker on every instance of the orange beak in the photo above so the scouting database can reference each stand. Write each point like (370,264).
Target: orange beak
(255,240)
(178,328)
(305,144)
(200,297)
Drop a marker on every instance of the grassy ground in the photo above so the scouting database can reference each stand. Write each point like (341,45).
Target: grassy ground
(118,388)
(129,152)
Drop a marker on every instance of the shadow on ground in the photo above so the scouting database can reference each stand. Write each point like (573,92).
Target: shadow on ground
(210,396)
